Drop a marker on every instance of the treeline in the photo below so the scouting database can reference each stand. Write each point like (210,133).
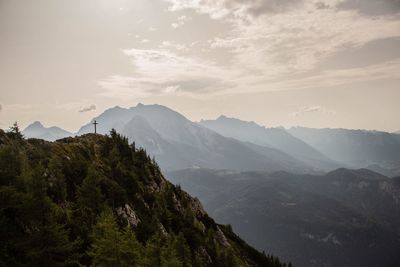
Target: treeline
(98,201)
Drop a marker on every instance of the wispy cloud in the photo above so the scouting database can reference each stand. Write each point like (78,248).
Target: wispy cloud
(372,7)
(275,40)
(160,71)
(173,45)
(180,21)
(87,108)
(313,109)
(265,46)
(21,107)
(239,8)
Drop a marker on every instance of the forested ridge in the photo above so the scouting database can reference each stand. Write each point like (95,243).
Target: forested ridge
(96,200)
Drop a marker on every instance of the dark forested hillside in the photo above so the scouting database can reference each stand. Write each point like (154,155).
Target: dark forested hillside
(96,200)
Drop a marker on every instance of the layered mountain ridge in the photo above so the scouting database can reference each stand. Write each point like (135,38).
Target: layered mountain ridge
(229,143)
(277,138)
(169,133)
(37,130)
(379,151)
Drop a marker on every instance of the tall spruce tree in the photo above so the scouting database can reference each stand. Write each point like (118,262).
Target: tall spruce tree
(112,246)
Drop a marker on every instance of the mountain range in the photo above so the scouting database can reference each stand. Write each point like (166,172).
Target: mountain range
(289,191)
(375,150)
(342,218)
(277,138)
(37,130)
(229,143)
(164,132)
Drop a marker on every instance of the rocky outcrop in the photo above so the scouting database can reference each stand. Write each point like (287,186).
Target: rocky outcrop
(129,215)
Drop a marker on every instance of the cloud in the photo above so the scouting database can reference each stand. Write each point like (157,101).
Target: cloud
(293,40)
(297,41)
(322,5)
(184,18)
(129,87)
(21,107)
(173,45)
(313,109)
(378,51)
(262,46)
(87,108)
(372,7)
(180,21)
(223,8)
(160,71)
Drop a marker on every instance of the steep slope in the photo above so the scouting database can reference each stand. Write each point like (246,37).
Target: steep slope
(95,200)
(166,132)
(358,148)
(37,130)
(343,218)
(277,138)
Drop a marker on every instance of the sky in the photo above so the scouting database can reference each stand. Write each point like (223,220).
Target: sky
(313,63)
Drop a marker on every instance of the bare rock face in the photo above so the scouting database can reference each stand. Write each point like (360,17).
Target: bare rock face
(197,208)
(203,252)
(157,186)
(129,215)
(221,238)
(163,230)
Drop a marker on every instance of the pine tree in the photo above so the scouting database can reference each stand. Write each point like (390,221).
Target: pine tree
(152,252)
(89,197)
(46,241)
(183,251)
(15,132)
(112,247)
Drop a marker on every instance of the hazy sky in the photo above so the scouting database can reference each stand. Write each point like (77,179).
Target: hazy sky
(316,63)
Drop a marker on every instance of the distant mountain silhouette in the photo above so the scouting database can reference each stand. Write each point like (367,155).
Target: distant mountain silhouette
(178,143)
(229,143)
(345,218)
(37,130)
(375,150)
(277,138)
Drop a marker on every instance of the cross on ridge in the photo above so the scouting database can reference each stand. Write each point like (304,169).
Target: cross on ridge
(95,126)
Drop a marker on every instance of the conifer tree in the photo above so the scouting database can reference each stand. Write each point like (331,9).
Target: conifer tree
(112,247)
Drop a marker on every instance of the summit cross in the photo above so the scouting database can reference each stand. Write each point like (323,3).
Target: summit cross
(95,126)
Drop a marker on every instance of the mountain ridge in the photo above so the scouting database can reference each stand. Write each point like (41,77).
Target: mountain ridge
(192,143)
(216,143)
(278,138)
(97,200)
(37,130)
(375,150)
